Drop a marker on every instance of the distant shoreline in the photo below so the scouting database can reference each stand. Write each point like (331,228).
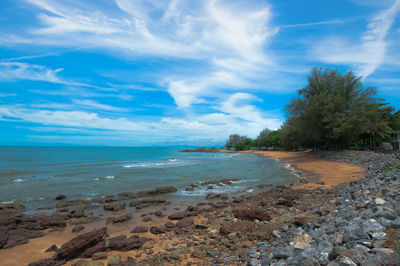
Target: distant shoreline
(314,172)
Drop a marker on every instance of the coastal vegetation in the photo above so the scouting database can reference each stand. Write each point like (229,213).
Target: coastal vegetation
(334,111)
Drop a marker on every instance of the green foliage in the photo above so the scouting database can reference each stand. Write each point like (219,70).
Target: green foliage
(394,121)
(334,111)
(239,143)
(269,139)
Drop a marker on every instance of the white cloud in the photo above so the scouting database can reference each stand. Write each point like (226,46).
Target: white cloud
(215,126)
(230,39)
(370,53)
(25,71)
(90,104)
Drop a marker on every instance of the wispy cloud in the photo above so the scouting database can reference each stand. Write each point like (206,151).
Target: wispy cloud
(318,23)
(90,104)
(229,39)
(24,71)
(370,53)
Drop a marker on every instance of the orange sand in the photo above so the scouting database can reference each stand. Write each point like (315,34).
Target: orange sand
(316,169)
(35,249)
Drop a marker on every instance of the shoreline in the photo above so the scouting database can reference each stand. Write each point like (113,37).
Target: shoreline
(313,171)
(228,229)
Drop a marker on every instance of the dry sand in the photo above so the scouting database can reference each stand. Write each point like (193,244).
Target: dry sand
(316,169)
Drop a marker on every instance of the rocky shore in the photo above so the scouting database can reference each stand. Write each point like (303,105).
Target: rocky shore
(355,223)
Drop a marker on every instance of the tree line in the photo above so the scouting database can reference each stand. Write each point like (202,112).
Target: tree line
(334,111)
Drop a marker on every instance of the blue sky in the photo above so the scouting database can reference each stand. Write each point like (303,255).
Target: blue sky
(126,72)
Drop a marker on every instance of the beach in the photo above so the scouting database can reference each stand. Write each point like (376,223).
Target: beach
(278,223)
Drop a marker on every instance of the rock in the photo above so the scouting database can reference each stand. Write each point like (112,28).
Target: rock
(300,220)
(121,219)
(78,228)
(99,256)
(122,243)
(52,248)
(77,245)
(180,215)
(146,219)
(47,262)
(115,261)
(145,203)
(200,226)
(336,251)
(140,229)
(379,201)
(185,222)
(169,225)
(157,191)
(280,253)
(301,240)
(158,213)
(345,261)
(16,240)
(378,236)
(60,197)
(81,263)
(198,254)
(243,226)
(371,225)
(251,213)
(116,206)
(157,230)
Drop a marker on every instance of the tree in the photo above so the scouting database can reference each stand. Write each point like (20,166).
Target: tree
(234,140)
(333,111)
(269,139)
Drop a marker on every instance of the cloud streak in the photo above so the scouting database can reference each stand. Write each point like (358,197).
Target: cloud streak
(370,53)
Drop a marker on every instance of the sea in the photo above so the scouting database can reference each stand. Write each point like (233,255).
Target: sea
(33,176)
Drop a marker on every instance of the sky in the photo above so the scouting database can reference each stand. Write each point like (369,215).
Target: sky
(179,72)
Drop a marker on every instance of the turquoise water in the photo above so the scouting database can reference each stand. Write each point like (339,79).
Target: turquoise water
(35,175)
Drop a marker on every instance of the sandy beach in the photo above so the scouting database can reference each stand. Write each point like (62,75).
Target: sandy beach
(319,174)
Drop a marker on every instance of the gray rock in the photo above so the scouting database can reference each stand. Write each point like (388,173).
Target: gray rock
(280,253)
(115,261)
(99,256)
(372,225)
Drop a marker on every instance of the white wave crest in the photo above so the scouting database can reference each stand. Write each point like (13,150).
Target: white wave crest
(159,164)
(18,180)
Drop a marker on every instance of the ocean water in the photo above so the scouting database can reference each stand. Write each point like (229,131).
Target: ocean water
(35,175)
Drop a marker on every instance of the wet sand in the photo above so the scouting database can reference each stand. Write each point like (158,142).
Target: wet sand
(316,170)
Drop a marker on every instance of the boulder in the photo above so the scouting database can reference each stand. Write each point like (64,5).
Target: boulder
(116,206)
(122,243)
(77,245)
(47,262)
(144,203)
(140,229)
(180,215)
(251,213)
(185,222)
(99,256)
(60,197)
(169,225)
(157,230)
(157,191)
(121,219)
